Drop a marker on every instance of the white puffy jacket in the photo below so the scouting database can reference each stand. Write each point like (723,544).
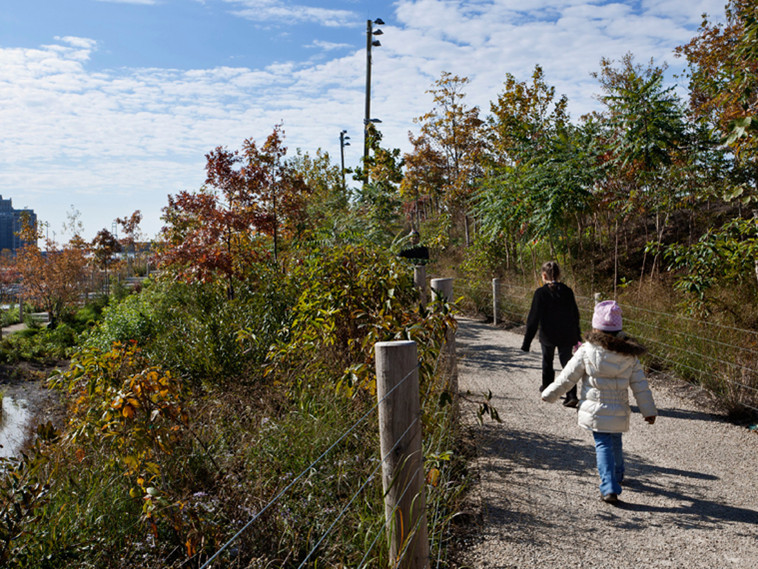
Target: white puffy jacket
(608,366)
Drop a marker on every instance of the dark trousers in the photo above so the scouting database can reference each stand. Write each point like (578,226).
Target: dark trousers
(548,373)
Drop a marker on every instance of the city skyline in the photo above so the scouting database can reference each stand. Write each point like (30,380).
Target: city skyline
(109,106)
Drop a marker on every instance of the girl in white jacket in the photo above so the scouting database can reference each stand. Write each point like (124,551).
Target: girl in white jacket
(608,366)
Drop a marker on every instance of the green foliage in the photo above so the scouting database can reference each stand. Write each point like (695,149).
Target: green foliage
(39,345)
(348,299)
(9,317)
(543,167)
(647,118)
(129,320)
(194,329)
(24,489)
(721,256)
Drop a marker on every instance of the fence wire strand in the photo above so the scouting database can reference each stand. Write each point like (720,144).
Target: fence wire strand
(307,469)
(703,371)
(357,492)
(692,336)
(585,305)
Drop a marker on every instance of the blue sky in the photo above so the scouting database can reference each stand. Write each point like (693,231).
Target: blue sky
(108,106)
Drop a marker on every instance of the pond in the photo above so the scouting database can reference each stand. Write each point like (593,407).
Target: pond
(14,424)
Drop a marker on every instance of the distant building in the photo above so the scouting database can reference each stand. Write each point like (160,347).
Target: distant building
(10,224)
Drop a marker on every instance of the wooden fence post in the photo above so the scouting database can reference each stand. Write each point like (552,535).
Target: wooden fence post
(495,300)
(443,287)
(419,279)
(449,363)
(397,389)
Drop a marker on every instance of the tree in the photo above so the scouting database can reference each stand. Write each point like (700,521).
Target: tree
(723,73)
(73,224)
(327,199)
(647,133)
(53,278)
(449,147)
(104,248)
(541,167)
(378,200)
(524,117)
(130,228)
(220,231)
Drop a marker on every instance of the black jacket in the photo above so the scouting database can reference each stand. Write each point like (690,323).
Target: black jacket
(555,313)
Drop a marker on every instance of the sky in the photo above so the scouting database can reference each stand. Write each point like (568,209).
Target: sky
(110,106)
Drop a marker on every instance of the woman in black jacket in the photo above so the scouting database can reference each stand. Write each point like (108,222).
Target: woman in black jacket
(555,313)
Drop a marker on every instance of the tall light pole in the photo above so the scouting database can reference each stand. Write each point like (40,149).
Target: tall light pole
(343,142)
(370,42)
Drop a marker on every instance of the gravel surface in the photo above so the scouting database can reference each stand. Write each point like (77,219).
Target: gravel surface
(691,500)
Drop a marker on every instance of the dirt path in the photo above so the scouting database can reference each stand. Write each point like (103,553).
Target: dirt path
(692,494)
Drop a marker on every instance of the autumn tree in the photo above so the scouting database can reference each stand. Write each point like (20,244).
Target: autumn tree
(446,156)
(53,278)
(218,231)
(723,73)
(524,118)
(9,275)
(104,248)
(131,234)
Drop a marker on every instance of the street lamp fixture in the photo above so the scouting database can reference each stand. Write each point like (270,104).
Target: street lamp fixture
(370,42)
(343,142)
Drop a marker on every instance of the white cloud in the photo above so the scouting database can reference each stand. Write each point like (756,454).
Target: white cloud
(278,11)
(112,141)
(328,46)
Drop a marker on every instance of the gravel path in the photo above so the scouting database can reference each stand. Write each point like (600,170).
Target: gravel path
(692,495)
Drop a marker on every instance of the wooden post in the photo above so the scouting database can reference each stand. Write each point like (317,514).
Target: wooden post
(495,300)
(443,287)
(419,279)
(598,297)
(397,389)
(449,363)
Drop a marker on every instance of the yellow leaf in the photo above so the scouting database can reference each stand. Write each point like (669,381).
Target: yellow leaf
(433,477)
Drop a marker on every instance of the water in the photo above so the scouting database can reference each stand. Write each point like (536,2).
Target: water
(13,425)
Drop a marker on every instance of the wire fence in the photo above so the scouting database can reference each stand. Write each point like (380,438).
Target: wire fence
(720,358)
(305,471)
(682,347)
(375,552)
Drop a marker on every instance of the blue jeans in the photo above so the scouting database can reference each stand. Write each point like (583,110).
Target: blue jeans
(610,462)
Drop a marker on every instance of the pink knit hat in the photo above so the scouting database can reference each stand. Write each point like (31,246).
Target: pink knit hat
(607,316)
